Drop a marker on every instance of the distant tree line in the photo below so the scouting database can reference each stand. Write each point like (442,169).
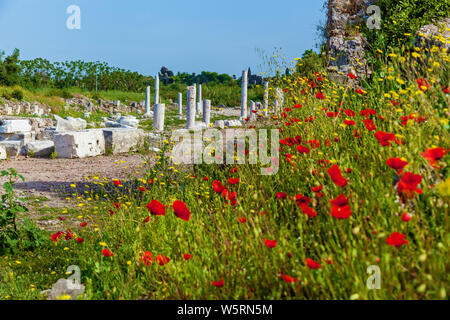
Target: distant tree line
(40,73)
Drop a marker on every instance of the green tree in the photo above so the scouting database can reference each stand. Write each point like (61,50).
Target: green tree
(9,68)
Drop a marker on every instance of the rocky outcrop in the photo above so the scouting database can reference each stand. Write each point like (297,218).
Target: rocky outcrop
(437,34)
(345,44)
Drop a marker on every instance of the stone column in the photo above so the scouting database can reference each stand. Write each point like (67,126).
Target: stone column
(198,108)
(157,89)
(244,94)
(207,112)
(252,108)
(180,103)
(266,98)
(279,100)
(158,117)
(200,93)
(190,107)
(195,99)
(147,100)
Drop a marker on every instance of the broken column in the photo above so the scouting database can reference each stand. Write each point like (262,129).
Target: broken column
(266,98)
(147,101)
(180,104)
(279,100)
(252,111)
(158,117)
(207,112)
(244,94)
(190,107)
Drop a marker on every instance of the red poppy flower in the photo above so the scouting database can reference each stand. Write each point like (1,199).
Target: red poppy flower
(156,208)
(434,155)
(146,220)
(288,279)
(147,258)
(242,220)
(281,195)
(446,89)
(310,212)
(217,186)
(423,84)
(62,218)
(143,189)
(396,163)
(359,91)
(162,260)
(69,235)
(317,189)
(233,181)
(367,112)
(83,224)
(350,113)
(407,186)
(270,243)
(320,96)
(79,240)
(341,212)
(396,240)
(302,149)
(351,75)
(181,210)
(302,200)
(117,205)
(384,138)
(56,236)
(349,122)
(336,176)
(312,264)
(117,182)
(406,217)
(218,284)
(340,201)
(369,124)
(107,253)
(187,256)
(205,179)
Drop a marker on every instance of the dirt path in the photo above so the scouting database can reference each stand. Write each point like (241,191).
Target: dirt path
(45,177)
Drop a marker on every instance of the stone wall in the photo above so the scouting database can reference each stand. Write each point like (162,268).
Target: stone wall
(345,45)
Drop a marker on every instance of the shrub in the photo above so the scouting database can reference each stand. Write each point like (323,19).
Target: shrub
(17,94)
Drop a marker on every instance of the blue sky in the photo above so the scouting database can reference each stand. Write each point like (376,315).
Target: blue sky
(143,35)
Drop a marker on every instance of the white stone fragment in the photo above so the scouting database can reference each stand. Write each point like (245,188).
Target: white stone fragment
(122,140)
(14,126)
(40,148)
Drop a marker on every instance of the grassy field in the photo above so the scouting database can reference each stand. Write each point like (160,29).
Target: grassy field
(363,181)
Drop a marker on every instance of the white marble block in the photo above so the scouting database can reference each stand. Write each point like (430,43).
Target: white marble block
(80,144)
(14,126)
